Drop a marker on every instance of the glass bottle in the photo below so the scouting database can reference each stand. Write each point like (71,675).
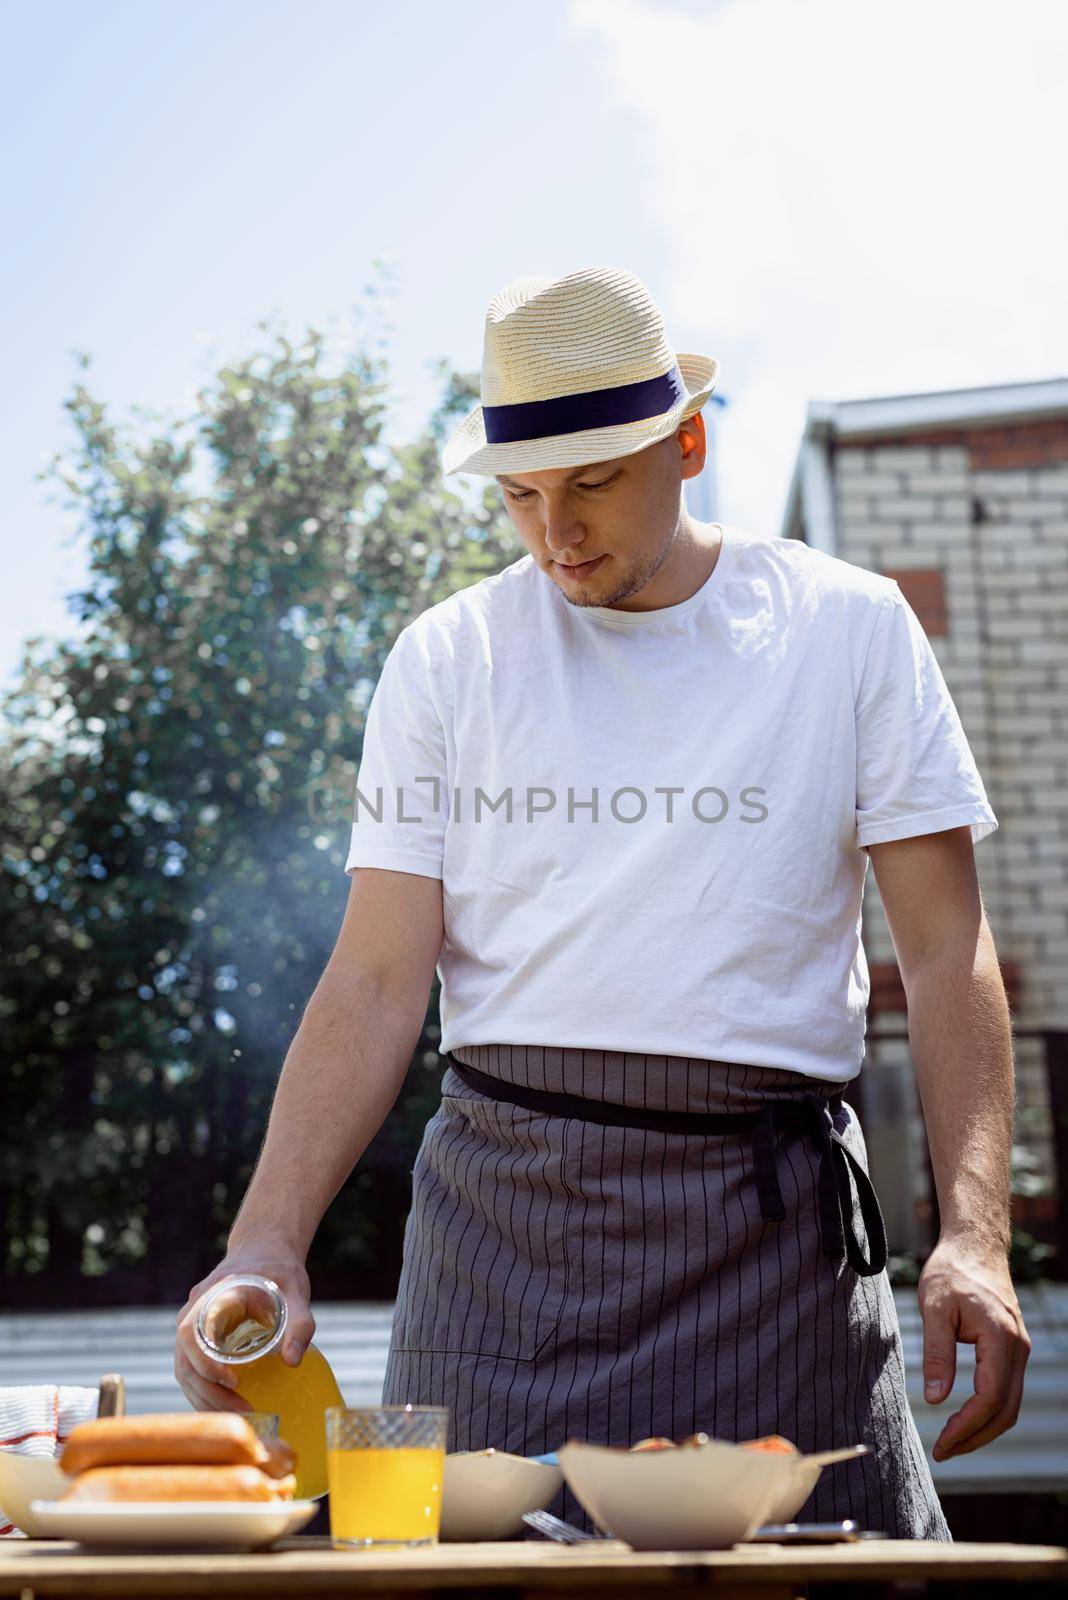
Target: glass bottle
(241,1322)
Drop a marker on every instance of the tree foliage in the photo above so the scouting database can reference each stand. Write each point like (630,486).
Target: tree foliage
(178,780)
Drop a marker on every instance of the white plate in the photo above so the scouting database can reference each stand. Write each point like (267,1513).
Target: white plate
(173,1525)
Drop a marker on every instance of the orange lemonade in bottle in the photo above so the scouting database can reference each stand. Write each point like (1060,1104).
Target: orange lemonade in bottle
(241,1322)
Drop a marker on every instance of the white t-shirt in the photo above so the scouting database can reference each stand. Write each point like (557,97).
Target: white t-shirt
(741,749)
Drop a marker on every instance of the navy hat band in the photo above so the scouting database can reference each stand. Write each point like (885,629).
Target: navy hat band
(574,413)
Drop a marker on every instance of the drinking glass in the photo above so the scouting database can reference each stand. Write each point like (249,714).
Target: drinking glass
(264,1424)
(386,1465)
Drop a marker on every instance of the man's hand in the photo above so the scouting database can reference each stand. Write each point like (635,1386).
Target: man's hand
(209,1384)
(966,1296)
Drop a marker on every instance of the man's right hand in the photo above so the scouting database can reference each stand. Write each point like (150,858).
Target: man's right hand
(210,1385)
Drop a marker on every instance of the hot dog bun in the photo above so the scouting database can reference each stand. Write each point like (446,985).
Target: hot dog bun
(196,1438)
(177,1483)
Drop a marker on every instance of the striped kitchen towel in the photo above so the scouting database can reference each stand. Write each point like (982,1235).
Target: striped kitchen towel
(35,1419)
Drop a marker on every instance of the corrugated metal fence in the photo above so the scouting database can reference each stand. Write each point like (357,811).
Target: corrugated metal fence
(76,1347)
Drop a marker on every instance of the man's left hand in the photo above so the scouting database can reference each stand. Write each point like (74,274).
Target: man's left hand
(966,1296)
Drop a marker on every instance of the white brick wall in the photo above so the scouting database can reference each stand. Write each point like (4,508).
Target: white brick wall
(1005,659)
(1006,581)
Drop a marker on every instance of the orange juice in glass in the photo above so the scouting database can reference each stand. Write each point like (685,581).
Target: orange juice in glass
(241,1322)
(386,1467)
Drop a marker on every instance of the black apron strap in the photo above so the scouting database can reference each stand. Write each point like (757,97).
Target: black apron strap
(608,1113)
(812,1114)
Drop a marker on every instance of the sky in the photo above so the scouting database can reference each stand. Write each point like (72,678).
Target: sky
(835,198)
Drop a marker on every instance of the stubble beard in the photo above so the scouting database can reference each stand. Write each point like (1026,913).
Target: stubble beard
(627,585)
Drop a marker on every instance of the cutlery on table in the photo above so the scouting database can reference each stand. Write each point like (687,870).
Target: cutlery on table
(112,1398)
(556,1528)
(771,1533)
(826,1458)
(812,1533)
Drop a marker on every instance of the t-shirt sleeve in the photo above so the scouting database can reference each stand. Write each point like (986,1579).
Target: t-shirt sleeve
(915,769)
(400,807)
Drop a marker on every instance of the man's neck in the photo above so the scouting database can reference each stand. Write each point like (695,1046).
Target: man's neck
(694,554)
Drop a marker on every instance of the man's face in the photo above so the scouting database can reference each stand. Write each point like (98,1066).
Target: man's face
(602,531)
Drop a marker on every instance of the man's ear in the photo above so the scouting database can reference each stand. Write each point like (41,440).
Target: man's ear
(693,445)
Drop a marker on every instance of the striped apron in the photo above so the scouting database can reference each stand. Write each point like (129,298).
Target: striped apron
(569,1278)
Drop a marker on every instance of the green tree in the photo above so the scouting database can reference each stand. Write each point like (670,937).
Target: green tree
(178,781)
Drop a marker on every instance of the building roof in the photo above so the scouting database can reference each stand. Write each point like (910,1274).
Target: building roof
(809,510)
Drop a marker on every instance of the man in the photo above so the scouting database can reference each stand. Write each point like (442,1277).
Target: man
(622,794)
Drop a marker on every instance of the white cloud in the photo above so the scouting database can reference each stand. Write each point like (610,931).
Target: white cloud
(856,199)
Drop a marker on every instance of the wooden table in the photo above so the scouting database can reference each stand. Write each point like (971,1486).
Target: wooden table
(522,1569)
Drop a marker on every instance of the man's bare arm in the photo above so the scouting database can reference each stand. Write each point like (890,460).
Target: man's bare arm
(342,1073)
(347,1061)
(959,1027)
(960,1035)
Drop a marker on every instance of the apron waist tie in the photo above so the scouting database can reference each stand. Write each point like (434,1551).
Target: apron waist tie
(812,1114)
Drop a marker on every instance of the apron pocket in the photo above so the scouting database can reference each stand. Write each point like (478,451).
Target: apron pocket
(485,1269)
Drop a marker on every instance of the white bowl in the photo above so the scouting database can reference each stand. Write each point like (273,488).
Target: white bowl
(700,1497)
(486,1492)
(801,1484)
(26,1478)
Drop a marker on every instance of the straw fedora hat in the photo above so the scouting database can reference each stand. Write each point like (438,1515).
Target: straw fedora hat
(574,370)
